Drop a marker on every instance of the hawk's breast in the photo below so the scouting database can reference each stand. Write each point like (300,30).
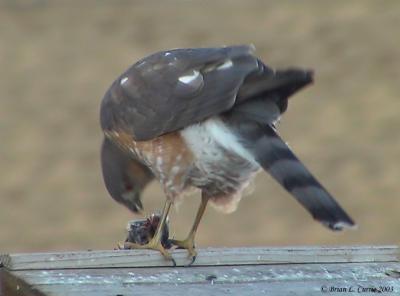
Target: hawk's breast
(221,164)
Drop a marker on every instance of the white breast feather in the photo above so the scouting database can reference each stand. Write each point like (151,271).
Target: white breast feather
(206,138)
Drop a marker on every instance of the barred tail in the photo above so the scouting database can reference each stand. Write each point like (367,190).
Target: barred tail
(275,157)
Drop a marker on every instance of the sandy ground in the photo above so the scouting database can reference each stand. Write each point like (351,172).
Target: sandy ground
(57,59)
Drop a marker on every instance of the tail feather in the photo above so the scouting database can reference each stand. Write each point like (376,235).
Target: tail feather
(275,156)
(260,101)
(266,82)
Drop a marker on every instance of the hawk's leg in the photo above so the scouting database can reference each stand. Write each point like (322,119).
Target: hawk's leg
(188,243)
(155,242)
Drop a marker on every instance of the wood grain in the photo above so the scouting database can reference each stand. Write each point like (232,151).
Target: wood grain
(206,257)
(217,271)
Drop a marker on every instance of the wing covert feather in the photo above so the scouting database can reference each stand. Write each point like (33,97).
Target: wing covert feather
(169,90)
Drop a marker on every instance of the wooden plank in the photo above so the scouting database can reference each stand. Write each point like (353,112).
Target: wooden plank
(12,285)
(206,257)
(298,279)
(312,288)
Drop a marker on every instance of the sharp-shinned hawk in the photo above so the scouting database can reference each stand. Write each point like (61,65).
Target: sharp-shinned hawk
(204,118)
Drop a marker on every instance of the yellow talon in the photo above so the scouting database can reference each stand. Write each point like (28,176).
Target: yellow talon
(187,244)
(155,242)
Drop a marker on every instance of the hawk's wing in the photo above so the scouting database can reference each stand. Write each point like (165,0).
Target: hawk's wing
(169,90)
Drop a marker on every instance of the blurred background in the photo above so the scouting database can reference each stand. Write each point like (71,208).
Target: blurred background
(57,58)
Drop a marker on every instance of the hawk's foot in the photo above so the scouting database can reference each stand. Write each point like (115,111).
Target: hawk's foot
(187,244)
(151,245)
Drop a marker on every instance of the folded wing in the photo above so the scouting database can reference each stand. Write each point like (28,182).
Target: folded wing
(170,90)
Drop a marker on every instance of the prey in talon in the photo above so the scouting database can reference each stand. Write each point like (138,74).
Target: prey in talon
(204,118)
(141,231)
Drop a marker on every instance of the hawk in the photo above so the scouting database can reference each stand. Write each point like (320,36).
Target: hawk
(204,118)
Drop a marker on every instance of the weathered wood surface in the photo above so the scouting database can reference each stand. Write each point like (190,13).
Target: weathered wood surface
(300,279)
(361,270)
(206,257)
(11,285)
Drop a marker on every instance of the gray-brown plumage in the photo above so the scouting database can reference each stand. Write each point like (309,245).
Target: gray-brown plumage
(205,118)
(124,176)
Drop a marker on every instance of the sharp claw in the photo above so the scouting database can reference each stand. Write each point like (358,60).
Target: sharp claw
(192,261)
(173,262)
(151,246)
(169,257)
(188,245)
